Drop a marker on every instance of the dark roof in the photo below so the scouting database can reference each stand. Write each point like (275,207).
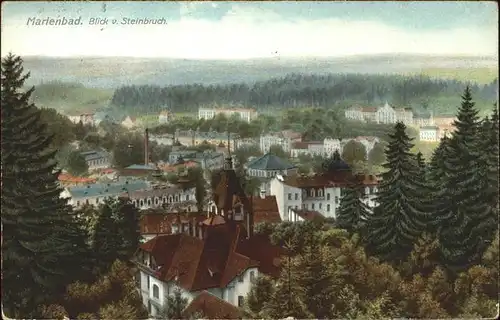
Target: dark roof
(270,162)
(335,164)
(229,191)
(309,214)
(211,307)
(214,261)
(265,210)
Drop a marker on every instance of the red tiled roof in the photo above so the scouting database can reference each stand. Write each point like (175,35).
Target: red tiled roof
(369,109)
(214,261)
(309,214)
(69,178)
(211,307)
(336,179)
(300,145)
(265,210)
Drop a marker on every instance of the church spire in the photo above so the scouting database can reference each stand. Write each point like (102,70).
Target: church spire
(228,165)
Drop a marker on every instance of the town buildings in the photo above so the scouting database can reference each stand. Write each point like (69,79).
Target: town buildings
(130,122)
(385,114)
(321,192)
(328,146)
(245,114)
(84,118)
(221,256)
(284,139)
(207,160)
(97,159)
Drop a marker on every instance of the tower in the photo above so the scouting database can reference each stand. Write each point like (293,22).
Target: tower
(146,147)
(229,198)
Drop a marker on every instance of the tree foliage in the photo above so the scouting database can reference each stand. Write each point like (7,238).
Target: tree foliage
(41,237)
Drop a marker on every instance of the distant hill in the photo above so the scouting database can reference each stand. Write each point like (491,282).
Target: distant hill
(117,71)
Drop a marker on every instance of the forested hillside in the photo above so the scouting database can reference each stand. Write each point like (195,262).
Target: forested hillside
(302,90)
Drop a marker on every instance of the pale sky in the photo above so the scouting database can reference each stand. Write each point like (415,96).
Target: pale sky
(242,30)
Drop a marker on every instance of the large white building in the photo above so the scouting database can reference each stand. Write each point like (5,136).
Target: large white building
(429,133)
(97,159)
(321,193)
(245,114)
(386,114)
(329,145)
(220,256)
(164,117)
(284,139)
(142,194)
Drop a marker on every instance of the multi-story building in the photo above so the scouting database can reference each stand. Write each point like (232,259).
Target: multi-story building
(220,256)
(331,145)
(284,139)
(94,194)
(423,119)
(245,114)
(208,160)
(385,114)
(97,159)
(311,148)
(429,133)
(84,118)
(321,193)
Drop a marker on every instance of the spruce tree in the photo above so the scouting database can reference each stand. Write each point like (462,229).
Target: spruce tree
(436,175)
(41,241)
(126,218)
(400,215)
(465,223)
(421,162)
(105,242)
(353,212)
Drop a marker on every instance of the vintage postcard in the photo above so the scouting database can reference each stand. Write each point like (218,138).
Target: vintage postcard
(249,160)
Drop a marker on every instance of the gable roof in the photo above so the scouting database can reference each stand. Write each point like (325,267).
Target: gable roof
(214,261)
(270,162)
(265,210)
(309,215)
(211,307)
(229,190)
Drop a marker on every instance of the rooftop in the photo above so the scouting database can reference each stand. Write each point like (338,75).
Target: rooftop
(270,162)
(308,215)
(214,261)
(109,189)
(140,167)
(94,154)
(211,307)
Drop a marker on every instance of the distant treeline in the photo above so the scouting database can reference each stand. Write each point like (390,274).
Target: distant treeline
(297,90)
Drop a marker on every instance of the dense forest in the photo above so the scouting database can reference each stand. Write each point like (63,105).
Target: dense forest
(299,90)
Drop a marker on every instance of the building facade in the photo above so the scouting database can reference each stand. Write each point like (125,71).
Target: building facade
(245,114)
(385,114)
(284,139)
(97,159)
(321,193)
(429,133)
(164,117)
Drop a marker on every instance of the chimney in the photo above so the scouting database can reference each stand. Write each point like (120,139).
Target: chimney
(262,193)
(146,147)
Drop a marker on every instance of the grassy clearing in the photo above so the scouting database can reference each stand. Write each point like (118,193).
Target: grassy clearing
(479,75)
(71,97)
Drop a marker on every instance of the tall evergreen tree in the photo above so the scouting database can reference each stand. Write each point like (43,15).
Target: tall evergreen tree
(421,161)
(353,212)
(126,220)
(488,140)
(465,222)
(400,216)
(105,243)
(41,241)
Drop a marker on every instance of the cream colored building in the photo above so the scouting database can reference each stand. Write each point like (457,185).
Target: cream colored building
(245,114)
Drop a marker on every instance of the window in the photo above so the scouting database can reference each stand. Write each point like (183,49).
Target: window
(327,196)
(78,203)
(289,208)
(187,197)
(252,276)
(240,278)
(141,202)
(149,202)
(97,200)
(86,201)
(241,301)
(336,199)
(157,201)
(289,196)
(313,193)
(156,291)
(296,196)
(312,206)
(328,207)
(319,205)
(320,193)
